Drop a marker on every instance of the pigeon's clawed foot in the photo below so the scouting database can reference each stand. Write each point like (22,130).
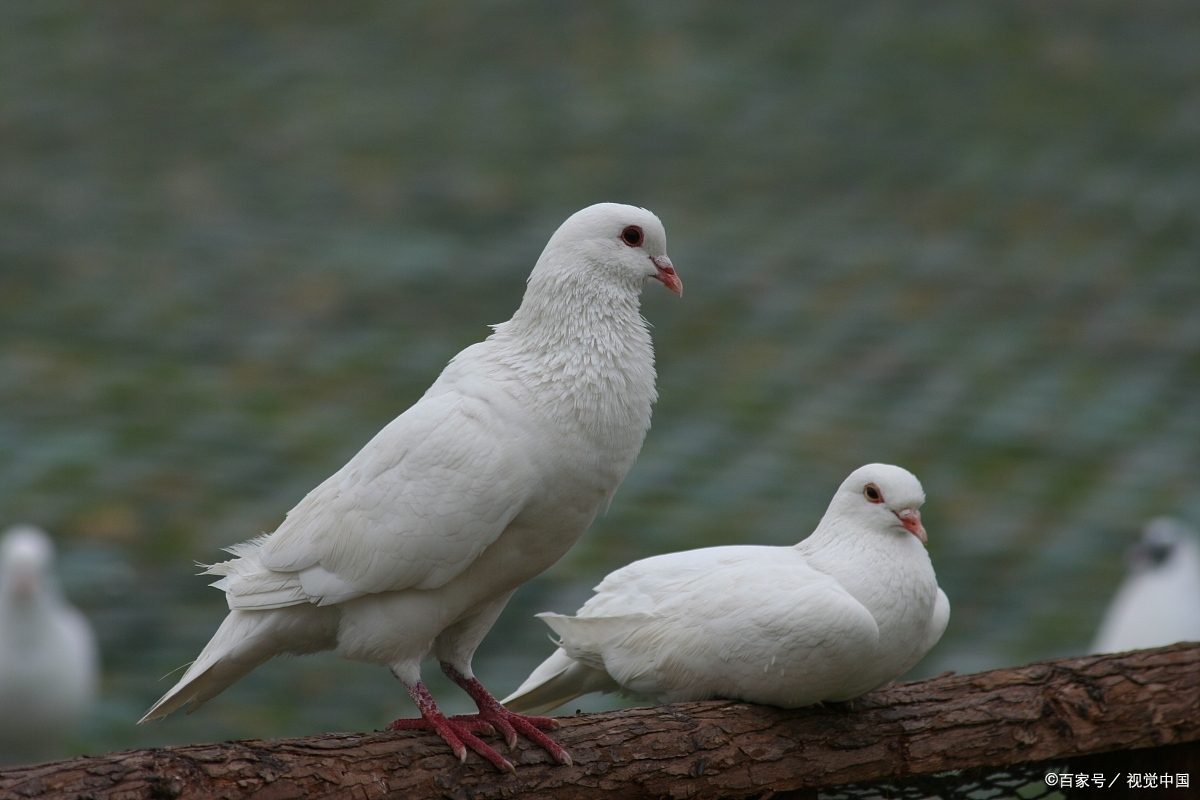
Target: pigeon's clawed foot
(509,723)
(458,732)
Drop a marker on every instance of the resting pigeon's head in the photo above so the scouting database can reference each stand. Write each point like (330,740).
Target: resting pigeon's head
(882,497)
(26,557)
(606,246)
(1161,540)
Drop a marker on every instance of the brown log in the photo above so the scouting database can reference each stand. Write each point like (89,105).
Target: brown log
(1049,710)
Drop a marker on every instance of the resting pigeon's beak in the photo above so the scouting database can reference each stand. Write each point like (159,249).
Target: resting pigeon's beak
(666,274)
(910,518)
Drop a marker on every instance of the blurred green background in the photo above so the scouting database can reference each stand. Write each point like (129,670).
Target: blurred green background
(237,239)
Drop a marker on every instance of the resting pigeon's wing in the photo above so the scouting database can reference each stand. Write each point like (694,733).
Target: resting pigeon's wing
(646,585)
(793,650)
(412,509)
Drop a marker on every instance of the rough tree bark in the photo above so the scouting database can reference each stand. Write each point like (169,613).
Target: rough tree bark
(1049,710)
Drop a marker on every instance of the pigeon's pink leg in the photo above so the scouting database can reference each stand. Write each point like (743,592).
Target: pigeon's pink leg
(509,722)
(456,731)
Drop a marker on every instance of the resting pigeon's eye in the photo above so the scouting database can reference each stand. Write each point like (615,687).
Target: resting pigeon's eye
(632,236)
(872,493)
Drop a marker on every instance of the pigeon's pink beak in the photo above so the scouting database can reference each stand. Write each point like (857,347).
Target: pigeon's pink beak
(910,518)
(666,274)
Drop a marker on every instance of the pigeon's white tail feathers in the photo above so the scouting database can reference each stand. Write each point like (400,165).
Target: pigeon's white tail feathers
(245,640)
(248,585)
(586,638)
(559,679)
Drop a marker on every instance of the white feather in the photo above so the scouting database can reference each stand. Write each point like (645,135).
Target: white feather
(48,663)
(416,543)
(1159,602)
(853,606)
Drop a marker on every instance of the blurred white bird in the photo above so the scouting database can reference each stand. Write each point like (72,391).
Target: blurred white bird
(1159,601)
(419,541)
(851,607)
(48,664)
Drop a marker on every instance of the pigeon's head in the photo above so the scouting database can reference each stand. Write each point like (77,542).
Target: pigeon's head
(883,497)
(607,245)
(1160,539)
(26,556)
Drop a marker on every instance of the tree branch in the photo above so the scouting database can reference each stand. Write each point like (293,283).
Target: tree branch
(1048,710)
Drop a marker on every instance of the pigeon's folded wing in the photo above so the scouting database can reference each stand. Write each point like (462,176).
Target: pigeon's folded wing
(738,646)
(412,509)
(646,586)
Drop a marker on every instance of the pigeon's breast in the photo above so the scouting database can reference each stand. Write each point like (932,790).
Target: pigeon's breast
(582,413)
(581,427)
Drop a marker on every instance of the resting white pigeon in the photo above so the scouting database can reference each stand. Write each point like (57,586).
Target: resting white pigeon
(1159,602)
(851,607)
(419,541)
(48,659)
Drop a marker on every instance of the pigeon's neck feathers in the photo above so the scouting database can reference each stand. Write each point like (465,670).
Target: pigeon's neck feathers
(579,343)
(846,538)
(886,570)
(574,296)
(872,563)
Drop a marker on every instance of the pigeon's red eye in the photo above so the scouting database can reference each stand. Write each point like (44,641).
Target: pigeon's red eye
(872,493)
(632,236)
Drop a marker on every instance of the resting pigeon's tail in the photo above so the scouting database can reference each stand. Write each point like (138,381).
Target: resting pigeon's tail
(245,640)
(559,679)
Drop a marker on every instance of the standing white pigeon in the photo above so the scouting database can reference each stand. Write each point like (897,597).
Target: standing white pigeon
(419,541)
(48,659)
(851,607)
(1159,602)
